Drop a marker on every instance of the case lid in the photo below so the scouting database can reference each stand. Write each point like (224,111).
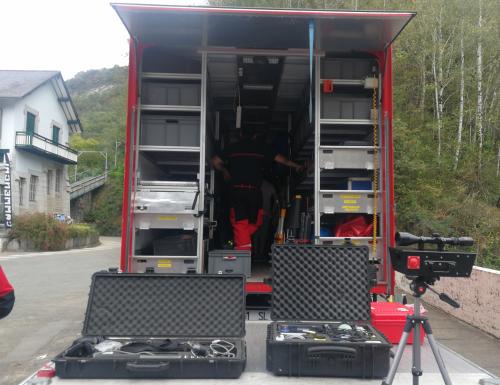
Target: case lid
(165,305)
(320,283)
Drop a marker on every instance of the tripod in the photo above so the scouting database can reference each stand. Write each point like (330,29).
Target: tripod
(419,285)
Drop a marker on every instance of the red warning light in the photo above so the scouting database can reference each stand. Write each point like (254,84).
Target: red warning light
(413,262)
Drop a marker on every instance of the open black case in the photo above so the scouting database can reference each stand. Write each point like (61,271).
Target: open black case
(170,326)
(321,311)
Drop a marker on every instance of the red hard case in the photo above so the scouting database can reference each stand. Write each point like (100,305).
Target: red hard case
(389,318)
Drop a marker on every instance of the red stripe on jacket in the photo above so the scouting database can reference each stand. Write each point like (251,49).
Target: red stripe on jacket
(5,286)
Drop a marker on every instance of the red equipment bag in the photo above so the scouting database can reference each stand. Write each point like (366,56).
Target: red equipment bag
(354,226)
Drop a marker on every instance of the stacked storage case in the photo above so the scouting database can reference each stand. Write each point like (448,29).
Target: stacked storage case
(318,290)
(167,322)
(170,153)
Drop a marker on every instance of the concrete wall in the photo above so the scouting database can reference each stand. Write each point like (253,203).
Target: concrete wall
(479,297)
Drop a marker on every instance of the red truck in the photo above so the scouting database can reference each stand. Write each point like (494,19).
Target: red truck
(316,84)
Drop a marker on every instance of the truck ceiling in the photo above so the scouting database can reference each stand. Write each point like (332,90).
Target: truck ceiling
(277,29)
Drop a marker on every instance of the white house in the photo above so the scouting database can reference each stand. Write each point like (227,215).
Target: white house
(36,118)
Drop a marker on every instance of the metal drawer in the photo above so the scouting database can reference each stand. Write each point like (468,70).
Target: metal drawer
(346,201)
(346,157)
(164,264)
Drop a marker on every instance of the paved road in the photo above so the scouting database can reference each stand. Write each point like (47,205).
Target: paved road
(51,295)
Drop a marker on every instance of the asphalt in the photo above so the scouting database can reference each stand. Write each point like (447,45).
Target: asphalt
(52,289)
(471,343)
(51,294)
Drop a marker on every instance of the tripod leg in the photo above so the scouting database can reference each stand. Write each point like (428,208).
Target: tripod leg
(399,353)
(437,354)
(416,368)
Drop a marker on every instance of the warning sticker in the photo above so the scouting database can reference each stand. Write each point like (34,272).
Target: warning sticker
(350,208)
(350,196)
(167,218)
(165,263)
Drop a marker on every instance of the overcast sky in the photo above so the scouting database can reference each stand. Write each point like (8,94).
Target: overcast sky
(65,35)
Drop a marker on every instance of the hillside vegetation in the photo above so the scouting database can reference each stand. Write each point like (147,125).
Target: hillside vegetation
(446,123)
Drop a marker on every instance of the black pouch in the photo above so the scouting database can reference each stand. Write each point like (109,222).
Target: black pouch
(159,320)
(317,291)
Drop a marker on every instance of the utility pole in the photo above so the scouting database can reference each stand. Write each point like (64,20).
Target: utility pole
(117,143)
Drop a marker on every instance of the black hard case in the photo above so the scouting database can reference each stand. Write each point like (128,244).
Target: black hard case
(316,285)
(161,306)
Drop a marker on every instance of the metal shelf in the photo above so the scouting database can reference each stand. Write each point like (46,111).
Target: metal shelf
(170,76)
(346,121)
(169,108)
(346,82)
(164,257)
(169,148)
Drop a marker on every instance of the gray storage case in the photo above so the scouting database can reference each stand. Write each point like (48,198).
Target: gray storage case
(230,262)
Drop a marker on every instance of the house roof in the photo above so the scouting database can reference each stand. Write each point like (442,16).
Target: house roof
(16,84)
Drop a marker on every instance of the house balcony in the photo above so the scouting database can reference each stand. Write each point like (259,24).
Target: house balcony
(43,146)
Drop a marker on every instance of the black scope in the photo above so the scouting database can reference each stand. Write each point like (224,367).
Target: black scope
(406,239)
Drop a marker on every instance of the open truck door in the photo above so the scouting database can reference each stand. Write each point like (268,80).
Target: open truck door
(322,79)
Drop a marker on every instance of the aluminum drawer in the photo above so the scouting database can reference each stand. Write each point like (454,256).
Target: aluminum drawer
(164,264)
(162,130)
(346,157)
(170,93)
(167,209)
(346,201)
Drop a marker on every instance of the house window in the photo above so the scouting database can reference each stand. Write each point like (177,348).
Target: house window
(49,181)
(58,180)
(33,187)
(30,123)
(55,134)
(22,187)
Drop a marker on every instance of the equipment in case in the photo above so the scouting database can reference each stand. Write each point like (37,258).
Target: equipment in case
(321,308)
(160,326)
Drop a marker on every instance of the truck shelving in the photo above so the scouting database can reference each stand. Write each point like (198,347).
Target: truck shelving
(316,85)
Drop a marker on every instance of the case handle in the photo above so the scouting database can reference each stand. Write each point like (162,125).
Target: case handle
(147,368)
(331,350)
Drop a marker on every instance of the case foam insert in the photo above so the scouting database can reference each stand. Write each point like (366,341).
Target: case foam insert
(320,283)
(159,305)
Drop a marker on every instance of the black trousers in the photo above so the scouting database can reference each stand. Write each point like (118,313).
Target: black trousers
(246,203)
(6,304)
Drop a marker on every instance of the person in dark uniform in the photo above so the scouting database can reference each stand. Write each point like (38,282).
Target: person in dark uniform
(243,164)
(6,295)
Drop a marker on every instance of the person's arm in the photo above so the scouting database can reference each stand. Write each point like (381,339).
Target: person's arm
(287,162)
(219,165)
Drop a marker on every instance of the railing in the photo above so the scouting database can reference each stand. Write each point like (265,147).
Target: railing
(46,145)
(83,186)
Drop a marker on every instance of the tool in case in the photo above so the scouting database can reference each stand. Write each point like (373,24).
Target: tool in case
(321,312)
(160,326)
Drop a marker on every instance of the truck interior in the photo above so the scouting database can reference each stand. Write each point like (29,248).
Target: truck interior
(310,84)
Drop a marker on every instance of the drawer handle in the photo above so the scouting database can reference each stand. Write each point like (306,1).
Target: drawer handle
(229,258)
